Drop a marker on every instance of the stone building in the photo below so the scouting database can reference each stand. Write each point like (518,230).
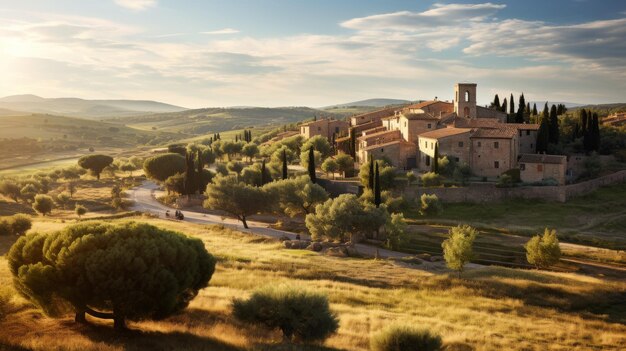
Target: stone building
(452,142)
(493,151)
(536,168)
(324,127)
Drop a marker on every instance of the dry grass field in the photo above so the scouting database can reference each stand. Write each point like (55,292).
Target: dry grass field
(491,308)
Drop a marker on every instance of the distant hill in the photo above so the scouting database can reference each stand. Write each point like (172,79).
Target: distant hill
(92,109)
(550,103)
(212,120)
(603,109)
(370,102)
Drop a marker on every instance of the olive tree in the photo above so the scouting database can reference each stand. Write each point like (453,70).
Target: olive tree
(345,218)
(387,174)
(345,163)
(330,166)
(10,190)
(161,167)
(319,143)
(457,249)
(43,204)
(130,271)
(250,150)
(300,315)
(543,250)
(80,210)
(297,196)
(241,200)
(95,163)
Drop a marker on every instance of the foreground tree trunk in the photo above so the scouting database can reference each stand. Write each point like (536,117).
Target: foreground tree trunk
(243,220)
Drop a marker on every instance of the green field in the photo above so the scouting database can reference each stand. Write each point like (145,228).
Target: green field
(598,218)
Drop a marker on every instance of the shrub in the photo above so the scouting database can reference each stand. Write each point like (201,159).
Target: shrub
(43,204)
(404,338)
(80,210)
(543,250)
(300,315)
(457,249)
(10,190)
(431,179)
(505,181)
(430,205)
(20,224)
(127,271)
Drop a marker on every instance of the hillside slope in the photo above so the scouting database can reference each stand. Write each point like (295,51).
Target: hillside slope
(85,108)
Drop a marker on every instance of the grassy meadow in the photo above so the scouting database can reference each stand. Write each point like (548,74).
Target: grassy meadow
(490,308)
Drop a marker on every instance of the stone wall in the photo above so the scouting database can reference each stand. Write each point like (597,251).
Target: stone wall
(488,192)
(338,187)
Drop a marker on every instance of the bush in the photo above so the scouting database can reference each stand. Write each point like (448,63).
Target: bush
(505,181)
(457,249)
(404,338)
(132,270)
(543,250)
(80,210)
(43,204)
(20,224)
(431,179)
(300,315)
(430,205)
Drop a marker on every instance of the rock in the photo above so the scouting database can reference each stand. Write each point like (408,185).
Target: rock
(315,246)
(336,252)
(436,258)
(423,256)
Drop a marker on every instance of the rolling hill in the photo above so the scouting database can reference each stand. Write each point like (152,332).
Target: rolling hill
(92,109)
(379,102)
(212,120)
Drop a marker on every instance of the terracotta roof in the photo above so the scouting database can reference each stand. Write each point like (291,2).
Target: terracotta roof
(420,116)
(444,132)
(524,126)
(388,111)
(313,122)
(378,134)
(499,133)
(427,103)
(540,158)
(477,122)
(399,141)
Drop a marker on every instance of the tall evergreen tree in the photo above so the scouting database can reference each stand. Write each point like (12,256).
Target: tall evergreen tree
(352,143)
(595,130)
(511,105)
(583,122)
(264,174)
(370,180)
(201,186)
(535,110)
(377,198)
(504,105)
(543,136)
(312,174)
(435,165)
(575,131)
(285,170)
(554,126)
(496,102)
(189,184)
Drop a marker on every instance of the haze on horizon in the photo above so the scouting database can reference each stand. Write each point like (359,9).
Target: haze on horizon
(288,53)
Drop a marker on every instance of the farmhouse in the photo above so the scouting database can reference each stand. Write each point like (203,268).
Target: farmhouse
(324,127)
(536,168)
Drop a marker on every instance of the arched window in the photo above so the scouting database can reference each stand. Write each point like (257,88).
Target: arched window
(467,96)
(466,111)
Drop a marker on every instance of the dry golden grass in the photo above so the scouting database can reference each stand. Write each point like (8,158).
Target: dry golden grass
(490,309)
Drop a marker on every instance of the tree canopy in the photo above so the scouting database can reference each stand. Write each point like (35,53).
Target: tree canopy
(237,198)
(127,271)
(543,250)
(161,167)
(297,196)
(95,163)
(457,249)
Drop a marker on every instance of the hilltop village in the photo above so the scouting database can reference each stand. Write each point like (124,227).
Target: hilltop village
(411,137)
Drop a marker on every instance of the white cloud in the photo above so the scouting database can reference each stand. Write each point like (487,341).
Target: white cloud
(136,5)
(222,31)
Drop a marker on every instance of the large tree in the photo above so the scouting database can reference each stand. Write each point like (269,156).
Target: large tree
(319,143)
(130,271)
(543,135)
(311,165)
(95,163)
(553,126)
(161,167)
(345,163)
(511,105)
(297,196)
(236,198)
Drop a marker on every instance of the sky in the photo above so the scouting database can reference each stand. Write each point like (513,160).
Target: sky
(206,53)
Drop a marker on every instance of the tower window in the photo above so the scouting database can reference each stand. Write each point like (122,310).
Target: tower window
(496,144)
(467,96)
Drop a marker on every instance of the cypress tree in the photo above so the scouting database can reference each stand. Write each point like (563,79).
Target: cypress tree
(535,110)
(285,171)
(370,181)
(575,132)
(312,166)
(595,127)
(435,165)
(496,102)
(190,174)
(504,105)
(583,121)
(554,125)
(519,116)
(352,143)
(543,136)
(200,167)
(377,199)
(511,105)
(263,179)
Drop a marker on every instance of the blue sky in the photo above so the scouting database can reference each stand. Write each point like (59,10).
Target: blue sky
(314,53)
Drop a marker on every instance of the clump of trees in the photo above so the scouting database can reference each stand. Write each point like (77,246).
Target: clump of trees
(387,174)
(161,167)
(17,224)
(299,314)
(543,251)
(457,249)
(95,163)
(105,271)
(405,338)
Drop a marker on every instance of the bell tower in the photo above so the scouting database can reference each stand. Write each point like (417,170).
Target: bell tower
(465,100)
